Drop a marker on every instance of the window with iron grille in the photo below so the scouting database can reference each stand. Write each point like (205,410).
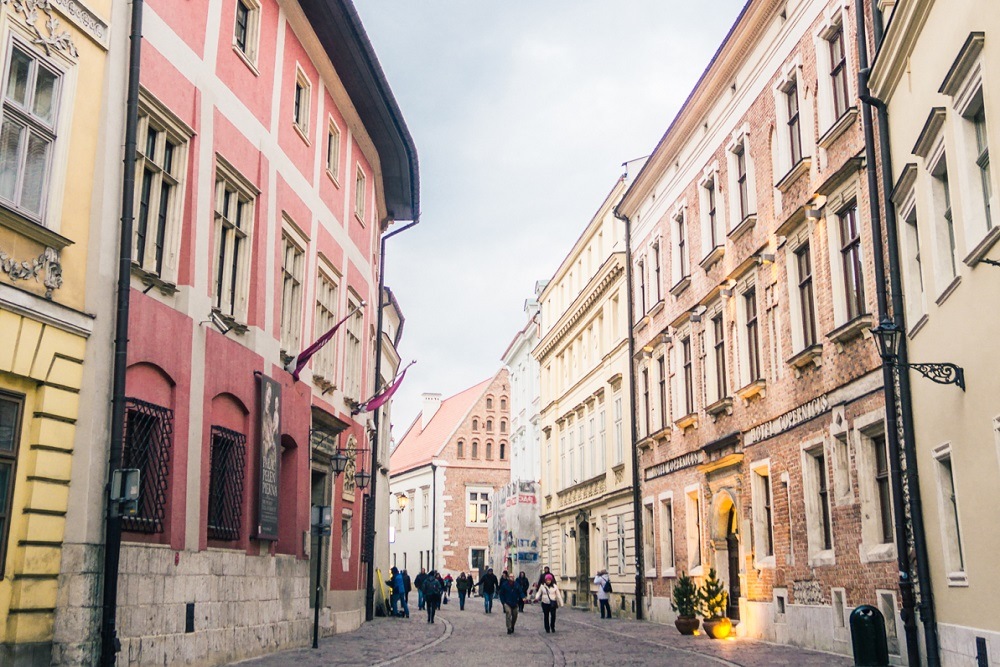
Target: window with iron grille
(11,409)
(149,438)
(225,486)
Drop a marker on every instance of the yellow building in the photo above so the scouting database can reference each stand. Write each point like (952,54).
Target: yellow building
(53,55)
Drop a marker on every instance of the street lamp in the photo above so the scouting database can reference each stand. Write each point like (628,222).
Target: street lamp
(322,519)
(361,478)
(338,462)
(888,337)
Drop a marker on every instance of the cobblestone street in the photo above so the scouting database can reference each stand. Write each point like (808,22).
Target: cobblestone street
(472,638)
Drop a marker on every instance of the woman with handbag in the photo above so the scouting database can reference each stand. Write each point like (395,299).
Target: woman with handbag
(551,598)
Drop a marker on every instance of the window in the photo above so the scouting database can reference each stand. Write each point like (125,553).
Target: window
(719,336)
(621,544)
(883,496)
(753,335)
(602,441)
(489,404)
(641,270)
(819,531)
(982,156)
(326,317)
(489,451)
(503,403)
(475,424)
(913,269)
(688,375)
(563,470)
(710,192)
(30,114)
(619,436)
(425,506)
(592,444)
(475,449)
(225,485)
(148,444)
(838,72)
(741,188)
(333,151)
(656,272)
(693,530)
(793,124)
(712,225)
(460,449)
(160,163)
(941,189)
(293,258)
(479,505)
(346,538)
(667,537)
(681,267)
(352,356)
(803,261)
(581,444)
(503,451)
(233,220)
(300,102)
(489,425)
(11,409)
(411,497)
(951,533)
(503,425)
(645,398)
(661,365)
(763,520)
(823,493)
(246,29)
(648,538)
(850,253)
(359,194)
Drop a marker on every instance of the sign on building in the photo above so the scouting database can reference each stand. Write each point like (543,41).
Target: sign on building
(270,445)
(516,530)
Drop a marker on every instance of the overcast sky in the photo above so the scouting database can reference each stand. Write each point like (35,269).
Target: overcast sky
(522,113)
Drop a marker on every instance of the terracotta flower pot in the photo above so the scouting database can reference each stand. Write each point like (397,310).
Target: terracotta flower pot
(718,628)
(686,625)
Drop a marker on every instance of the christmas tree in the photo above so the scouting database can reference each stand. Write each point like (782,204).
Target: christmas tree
(712,597)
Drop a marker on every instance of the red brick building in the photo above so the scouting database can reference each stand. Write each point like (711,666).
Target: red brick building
(449,463)
(759,403)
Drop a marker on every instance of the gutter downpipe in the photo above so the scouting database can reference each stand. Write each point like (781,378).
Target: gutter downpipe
(640,566)
(369,517)
(902,410)
(110,645)
(434,489)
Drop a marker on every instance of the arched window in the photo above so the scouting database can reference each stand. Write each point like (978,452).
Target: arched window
(503,425)
(503,403)
(503,451)
(489,402)
(489,451)
(489,425)
(475,449)
(461,449)
(475,424)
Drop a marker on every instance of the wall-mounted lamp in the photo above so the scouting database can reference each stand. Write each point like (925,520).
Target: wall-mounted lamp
(697,312)
(726,289)
(572,533)
(812,213)
(402,500)
(888,337)
(765,258)
(664,338)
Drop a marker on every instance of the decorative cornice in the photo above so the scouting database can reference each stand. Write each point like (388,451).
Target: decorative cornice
(53,38)
(566,323)
(47,263)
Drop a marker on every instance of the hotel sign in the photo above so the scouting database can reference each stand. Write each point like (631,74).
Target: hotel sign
(673,465)
(787,421)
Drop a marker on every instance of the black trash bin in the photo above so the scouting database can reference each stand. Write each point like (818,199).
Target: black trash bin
(871,647)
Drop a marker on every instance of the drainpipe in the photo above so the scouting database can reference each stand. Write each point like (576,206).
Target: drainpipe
(434,486)
(901,410)
(369,517)
(113,523)
(640,564)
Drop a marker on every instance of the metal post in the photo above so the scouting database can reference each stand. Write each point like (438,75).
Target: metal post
(113,526)
(319,583)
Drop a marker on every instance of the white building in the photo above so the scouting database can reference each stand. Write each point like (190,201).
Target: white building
(525,431)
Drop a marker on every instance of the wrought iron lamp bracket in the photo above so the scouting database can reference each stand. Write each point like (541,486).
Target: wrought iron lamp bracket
(991,262)
(945,373)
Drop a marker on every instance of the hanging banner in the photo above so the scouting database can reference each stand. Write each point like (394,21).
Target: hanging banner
(270,445)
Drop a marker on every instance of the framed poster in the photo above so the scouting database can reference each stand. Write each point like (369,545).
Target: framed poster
(270,446)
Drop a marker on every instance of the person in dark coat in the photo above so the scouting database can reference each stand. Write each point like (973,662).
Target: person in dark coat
(432,588)
(463,585)
(541,577)
(523,584)
(488,588)
(419,583)
(512,599)
(407,587)
(397,585)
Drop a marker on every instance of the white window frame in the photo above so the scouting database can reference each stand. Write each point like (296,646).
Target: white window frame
(792,77)
(742,337)
(740,143)
(300,118)
(911,248)
(333,150)
(353,347)
(817,553)
(228,179)
(710,180)
(760,489)
(360,188)
(830,122)
(346,538)
(694,529)
(873,548)
(795,241)
(649,536)
(622,545)
(952,542)
(619,435)
(680,252)
(292,286)
(425,505)
(473,489)
(943,202)
(668,564)
(711,363)
(249,54)
(327,308)
(846,198)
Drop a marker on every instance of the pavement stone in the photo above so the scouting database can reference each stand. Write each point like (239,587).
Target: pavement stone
(471,638)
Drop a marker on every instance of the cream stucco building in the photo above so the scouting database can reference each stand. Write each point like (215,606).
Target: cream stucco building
(587,519)
(937,70)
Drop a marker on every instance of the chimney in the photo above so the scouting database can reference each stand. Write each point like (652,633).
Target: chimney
(431,404)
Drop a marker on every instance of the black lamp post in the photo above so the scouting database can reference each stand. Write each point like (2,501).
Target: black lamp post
(361,478)
(888,337)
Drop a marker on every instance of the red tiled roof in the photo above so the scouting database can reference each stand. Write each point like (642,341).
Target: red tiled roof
(420,445)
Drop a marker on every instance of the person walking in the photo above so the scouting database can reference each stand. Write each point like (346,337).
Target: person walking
(407,587)
(551,598)
(398,596)
(448,581)
(488,587)
(419,583)
(541,577)
(463,585)
(523,584)
(604,591)
(511,598)
(432,594)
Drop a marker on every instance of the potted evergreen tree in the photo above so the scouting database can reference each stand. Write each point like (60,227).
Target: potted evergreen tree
(685,603)
(712,603)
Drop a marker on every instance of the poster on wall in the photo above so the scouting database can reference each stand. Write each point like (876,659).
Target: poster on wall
(516,529)
(270,445)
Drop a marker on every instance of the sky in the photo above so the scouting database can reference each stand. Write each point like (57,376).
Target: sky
(522,113)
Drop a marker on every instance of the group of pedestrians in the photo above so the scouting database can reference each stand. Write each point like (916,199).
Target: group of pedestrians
(431,588)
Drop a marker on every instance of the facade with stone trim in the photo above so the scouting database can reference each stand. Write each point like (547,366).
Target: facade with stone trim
(586,489)
(53,57)
(271,159)
(759,393)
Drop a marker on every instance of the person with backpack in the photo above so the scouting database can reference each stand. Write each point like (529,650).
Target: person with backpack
(488,588)
(407,587)
(397,586)
(524,585)
(463,585)
(419,583)
(604,591)
(432,589)
(510,597)
(551,598)
(448,580)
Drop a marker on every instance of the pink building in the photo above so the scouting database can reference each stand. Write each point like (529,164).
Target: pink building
(272,158)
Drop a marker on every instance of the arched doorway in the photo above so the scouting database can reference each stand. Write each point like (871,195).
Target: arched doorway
(725,538)
(733,553)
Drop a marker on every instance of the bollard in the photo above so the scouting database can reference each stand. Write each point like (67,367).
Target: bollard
(871,648)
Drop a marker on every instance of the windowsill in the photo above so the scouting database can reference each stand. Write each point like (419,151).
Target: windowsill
(359,218)
(302,134)
(680,286)
(231,322)
(745,224)
(765,563)
(915,329)
(651,573)
(333,177)
(878,553)
(839,126)
(641,324)
(246,60)
(850,330)
(31,229)
(983,247)
(697,571)
(687,421)
(958,580)
(655,310)
(723,405)
(712,257)
(755,388)
(811,355)
(669,573)
(799,169)
(151,280)
(823,558)
(949,290)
